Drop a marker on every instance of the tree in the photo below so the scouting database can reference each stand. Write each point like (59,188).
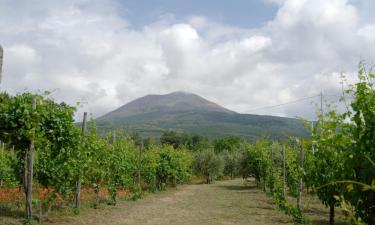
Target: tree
(173,138)
(230,144)
(208,164)
(231,163)
(198,143)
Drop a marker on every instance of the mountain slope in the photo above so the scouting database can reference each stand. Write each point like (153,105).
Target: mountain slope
(175,101)
(190,113)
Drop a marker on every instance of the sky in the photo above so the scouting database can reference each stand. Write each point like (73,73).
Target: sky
(243,55)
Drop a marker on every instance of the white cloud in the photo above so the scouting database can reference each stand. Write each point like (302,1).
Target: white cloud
(367,32)
(88,52)
(277,2)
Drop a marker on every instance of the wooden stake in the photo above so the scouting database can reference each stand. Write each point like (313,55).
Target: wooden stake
(139,164)
(114,138)
(321,103)
(299,193)
(312,133)
(84,123)
(331,214)
(40,213)
(20,191)
(29,174)
(284,172)
(78,193)
(78,182)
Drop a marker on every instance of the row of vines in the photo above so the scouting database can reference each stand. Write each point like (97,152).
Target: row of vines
(67,162)
(336,163)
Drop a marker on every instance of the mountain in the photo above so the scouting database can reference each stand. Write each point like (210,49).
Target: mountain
(151,115)
(173,102)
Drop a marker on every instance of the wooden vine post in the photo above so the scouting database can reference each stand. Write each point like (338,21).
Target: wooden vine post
(114,201)
(114,138)
(284,172)
(139,164)
(301,159)
(312,135)
(78,183)
(271,187)
(29,172)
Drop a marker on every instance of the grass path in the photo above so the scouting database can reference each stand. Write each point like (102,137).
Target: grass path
(224,202)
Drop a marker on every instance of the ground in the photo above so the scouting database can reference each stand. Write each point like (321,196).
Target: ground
(224,202)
